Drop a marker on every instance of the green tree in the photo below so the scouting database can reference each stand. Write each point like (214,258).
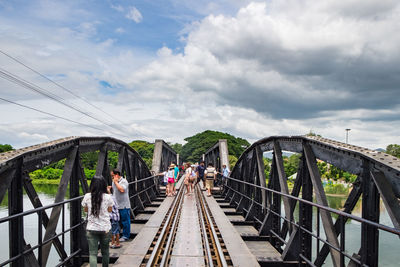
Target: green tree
(232,161)
(267,167)
(349,178)
(393,149)
(5,148)
(89,173)
(56,165)
(89,160)
(145,150)
(311,133)
(323,168)
(49,173)
(291,164)
(198,144)
(177,147)
(112,159)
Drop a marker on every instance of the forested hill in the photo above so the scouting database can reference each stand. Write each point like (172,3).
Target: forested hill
(198,144)
(195,147)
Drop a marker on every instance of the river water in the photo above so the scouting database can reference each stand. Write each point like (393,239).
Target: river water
(389,245)
(46,194)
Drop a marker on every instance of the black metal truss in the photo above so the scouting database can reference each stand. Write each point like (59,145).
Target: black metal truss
(378,176)
(15,167)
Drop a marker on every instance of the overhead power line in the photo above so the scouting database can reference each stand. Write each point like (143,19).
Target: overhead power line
(50,114)
(30,86)
(65,89)
(59,85)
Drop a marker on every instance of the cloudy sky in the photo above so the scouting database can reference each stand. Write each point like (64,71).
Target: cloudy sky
(143,69)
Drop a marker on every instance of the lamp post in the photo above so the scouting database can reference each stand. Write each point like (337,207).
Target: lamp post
(347,135)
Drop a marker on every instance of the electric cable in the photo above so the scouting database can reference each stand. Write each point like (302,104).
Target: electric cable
(69,91)
(17,80)
(57,84)
(50,114)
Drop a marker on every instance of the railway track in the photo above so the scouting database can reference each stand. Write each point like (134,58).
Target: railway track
(214,250)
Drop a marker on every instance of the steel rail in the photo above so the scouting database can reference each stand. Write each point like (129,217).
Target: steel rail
(172,231)
(214,237)
(203,229)
(155,255)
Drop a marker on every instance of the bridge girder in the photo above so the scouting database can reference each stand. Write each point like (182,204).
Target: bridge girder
(163,156)
(16,165)
(218,154)
(378,176)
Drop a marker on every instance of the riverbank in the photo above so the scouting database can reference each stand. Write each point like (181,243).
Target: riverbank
(46,181)
(49,181)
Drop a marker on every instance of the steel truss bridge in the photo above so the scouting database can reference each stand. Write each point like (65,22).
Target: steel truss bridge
(283,217)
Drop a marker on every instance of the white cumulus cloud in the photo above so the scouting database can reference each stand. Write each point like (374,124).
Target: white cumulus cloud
(134,14)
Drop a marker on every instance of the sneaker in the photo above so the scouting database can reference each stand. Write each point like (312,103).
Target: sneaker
(123,239)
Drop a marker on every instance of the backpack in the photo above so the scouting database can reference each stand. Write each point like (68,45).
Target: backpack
(210,173)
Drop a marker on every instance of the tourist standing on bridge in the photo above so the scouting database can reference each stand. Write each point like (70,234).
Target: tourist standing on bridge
(120,188)
(192,178)
(188,173)
(176,173)
(115,229)
(98,204)
(171,180)
(210,174)
(200,173)
(225,173)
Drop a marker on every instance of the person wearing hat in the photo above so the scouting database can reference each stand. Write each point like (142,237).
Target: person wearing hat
(176,176)
(171,180)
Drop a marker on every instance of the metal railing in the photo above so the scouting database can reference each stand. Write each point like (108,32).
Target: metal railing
(15,167)
(41,242)
(342,217)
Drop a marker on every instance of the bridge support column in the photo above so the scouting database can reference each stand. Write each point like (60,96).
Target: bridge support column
(327,221)
(56,211)
(157,156)
(16,226)
(300,241)
(77,234)
(370,211)
(102,165)
(305,215)
(275,205)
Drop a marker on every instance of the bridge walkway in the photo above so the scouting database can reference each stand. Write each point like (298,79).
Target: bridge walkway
(237,232)
(188,249)
(240,238)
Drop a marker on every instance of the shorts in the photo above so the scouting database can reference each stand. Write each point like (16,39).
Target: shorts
(115,227)
(171,180)
(209,183)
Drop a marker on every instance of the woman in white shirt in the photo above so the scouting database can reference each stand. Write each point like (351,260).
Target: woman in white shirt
(98,205)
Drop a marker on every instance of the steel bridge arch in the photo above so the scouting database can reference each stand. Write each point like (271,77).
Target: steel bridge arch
(378,176)
(15,167)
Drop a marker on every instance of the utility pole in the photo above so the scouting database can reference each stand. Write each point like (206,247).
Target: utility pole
(347,135)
